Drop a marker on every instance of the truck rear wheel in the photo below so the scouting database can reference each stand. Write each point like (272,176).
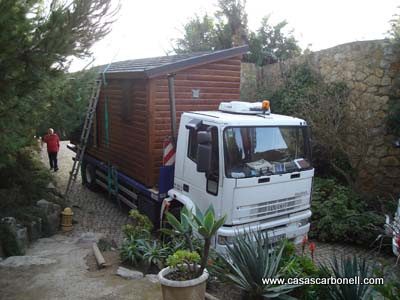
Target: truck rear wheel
(89,176)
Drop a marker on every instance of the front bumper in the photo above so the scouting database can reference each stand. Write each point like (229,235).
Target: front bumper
(293,227)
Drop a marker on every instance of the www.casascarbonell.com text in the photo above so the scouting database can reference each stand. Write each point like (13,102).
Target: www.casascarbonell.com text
(323,280)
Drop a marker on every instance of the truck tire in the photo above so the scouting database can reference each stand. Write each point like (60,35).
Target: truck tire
(175,210)
(151,209)
(88,172)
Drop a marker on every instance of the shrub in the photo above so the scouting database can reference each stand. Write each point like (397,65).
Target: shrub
(391,287)
(206,225)
(8,242)
(140,228)
(349,267)
(249,260)
(136,235)
(339,215)
(186,265)
(154,253)
(139,247)
(131,251)
(24,182)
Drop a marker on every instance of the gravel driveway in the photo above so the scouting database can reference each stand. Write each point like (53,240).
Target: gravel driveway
(61,267)
(93,211)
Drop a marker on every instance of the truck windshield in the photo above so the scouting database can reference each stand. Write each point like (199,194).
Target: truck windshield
(258,151)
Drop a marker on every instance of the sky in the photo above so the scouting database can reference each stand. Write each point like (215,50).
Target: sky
(147,28)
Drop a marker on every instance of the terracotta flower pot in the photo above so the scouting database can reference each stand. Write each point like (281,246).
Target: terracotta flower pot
(194,289)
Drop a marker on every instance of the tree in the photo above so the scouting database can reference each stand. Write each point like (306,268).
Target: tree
(231,27)
(199,35)
(67,101)
(270,44)
(228,28)
(394,32)
(36,43)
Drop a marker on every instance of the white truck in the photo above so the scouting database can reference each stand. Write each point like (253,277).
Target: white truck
(251,165)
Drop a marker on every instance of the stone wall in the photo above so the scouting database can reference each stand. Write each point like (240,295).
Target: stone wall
(371,69)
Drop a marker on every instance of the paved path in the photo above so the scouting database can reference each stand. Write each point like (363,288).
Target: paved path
(62,267)
(93,212)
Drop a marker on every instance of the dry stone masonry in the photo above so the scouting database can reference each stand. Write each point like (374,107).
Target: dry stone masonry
(371,69)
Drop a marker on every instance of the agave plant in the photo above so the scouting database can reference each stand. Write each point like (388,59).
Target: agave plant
(249,260)
(153,253)
(183,225)
(206,225)
(131,251)
(349,267)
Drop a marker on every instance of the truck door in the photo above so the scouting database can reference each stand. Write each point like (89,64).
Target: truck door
(203,189)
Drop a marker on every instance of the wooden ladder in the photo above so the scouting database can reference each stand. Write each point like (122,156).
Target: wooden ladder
(87,125)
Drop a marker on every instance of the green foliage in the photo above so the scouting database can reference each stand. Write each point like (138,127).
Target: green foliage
(326,109)
(207,226)
(198,35)
(270,44)
(67,98)
(301,266)
(250,259)
(181,257)
(228,28)
(23,183)
(153,253)
(339,215)
(136,237)
(8,242)
(37,39)
(302,86)
(183,225)
(349,267)
(394,32)
(140,228)
(185,264)
(391,288)
(231,25)
(139,246)
(131,251)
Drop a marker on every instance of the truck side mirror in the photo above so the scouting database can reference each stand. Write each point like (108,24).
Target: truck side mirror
(204,151)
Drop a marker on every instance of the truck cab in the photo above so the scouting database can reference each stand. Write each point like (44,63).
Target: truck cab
(251,165)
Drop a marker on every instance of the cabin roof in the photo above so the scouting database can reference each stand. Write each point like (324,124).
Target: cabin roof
(155,66)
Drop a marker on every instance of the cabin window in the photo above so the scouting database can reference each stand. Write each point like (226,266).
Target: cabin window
(127,101)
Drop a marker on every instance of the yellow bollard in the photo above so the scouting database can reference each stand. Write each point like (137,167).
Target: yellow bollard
(66,219)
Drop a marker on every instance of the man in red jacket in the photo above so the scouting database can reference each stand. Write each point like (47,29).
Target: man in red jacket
(53,145)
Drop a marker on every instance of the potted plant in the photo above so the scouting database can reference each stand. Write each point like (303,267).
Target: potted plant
(185,277)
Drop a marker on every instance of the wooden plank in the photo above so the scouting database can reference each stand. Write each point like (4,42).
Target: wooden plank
(162,85)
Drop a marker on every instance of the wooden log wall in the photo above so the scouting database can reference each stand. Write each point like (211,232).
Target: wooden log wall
(216,82)
(128,127)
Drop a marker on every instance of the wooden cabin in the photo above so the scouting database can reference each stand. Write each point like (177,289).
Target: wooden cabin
(134,105)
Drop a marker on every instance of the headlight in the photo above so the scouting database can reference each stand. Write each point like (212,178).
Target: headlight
(303,222)
(225,240)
